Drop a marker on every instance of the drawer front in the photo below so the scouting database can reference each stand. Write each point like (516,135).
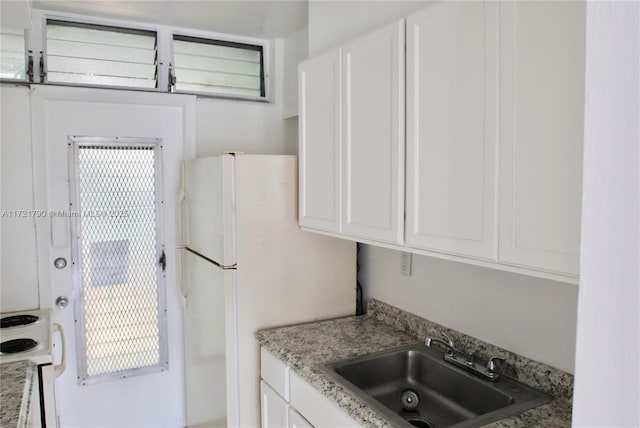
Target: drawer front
(275,373)
(316,408)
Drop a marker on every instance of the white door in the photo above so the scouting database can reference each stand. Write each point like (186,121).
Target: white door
(203,287)
(373,135)
(147,400)
(207,228)
(320,142)
(541,134)
(451,128)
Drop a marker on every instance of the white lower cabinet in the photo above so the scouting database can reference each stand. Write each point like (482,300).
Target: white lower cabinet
(289,401)
(316,408)
(274,408)
(296,420)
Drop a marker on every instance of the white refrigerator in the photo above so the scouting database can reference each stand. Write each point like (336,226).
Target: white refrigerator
(245,266)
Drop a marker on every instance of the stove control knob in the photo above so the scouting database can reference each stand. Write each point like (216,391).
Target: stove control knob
(62,302)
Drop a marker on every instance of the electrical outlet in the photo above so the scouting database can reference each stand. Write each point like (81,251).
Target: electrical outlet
(405,263)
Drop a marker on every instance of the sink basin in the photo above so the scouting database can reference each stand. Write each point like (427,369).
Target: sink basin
(414,386)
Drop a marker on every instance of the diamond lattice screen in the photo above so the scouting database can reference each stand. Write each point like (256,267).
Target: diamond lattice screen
(119,258)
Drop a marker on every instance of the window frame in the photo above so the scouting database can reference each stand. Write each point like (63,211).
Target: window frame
(204,37)
(116,27)
(36,42)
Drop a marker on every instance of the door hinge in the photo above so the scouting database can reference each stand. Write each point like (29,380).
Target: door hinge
(163,261)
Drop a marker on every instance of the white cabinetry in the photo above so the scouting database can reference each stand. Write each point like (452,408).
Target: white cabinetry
(541,133)
(275,409)
(289,401)
(296,420)
(320,142)
(495,99)
(373,135)
(352,138)
(452,58)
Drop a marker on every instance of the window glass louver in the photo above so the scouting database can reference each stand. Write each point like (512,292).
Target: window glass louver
(90,54)
(13,59)
(218,67)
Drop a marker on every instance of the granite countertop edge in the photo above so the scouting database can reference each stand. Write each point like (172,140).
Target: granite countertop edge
(305,348)
(17,381)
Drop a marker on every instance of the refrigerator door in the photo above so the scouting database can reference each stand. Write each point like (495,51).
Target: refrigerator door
(203,285)
(208,208)
(285,275)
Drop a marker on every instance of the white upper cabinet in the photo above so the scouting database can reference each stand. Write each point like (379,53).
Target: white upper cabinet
(373,135)
(320,142)
(542,49)
(494,136)
(452,65)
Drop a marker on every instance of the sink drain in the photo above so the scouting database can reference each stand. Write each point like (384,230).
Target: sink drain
(410,399)
(420,422)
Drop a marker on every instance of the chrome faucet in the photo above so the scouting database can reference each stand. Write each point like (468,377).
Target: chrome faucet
(449,345)
(465,360)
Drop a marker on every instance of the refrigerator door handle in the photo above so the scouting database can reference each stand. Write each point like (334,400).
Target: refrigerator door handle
(182,212)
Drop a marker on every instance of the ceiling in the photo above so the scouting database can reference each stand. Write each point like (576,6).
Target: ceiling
(254,18)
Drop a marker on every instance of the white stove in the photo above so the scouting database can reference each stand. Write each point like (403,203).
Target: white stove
(26,335)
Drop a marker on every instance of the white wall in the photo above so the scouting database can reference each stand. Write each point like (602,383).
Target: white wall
(334,22)
(530,316)
(243,126)
(607,384)
(252,127)
(18,255)
(533,317)
(293,50)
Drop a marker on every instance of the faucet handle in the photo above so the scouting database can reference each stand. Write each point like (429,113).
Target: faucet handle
(491,366)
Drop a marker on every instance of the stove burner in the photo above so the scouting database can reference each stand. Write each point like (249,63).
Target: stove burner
(17,320)
(17,345)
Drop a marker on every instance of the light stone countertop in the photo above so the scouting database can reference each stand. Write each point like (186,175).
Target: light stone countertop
(305,347)
(16,382)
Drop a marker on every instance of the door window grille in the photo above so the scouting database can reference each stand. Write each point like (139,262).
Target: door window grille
(119,257)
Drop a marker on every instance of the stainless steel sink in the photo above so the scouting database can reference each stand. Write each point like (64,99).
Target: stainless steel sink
(414,386)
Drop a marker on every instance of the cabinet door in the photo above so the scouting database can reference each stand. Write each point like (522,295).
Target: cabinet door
(541,133)
(296,420)
(319,147)
(373,135)
(273,408)
(451,128)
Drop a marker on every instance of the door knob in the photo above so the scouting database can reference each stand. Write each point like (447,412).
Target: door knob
(62,302)
(60,263)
